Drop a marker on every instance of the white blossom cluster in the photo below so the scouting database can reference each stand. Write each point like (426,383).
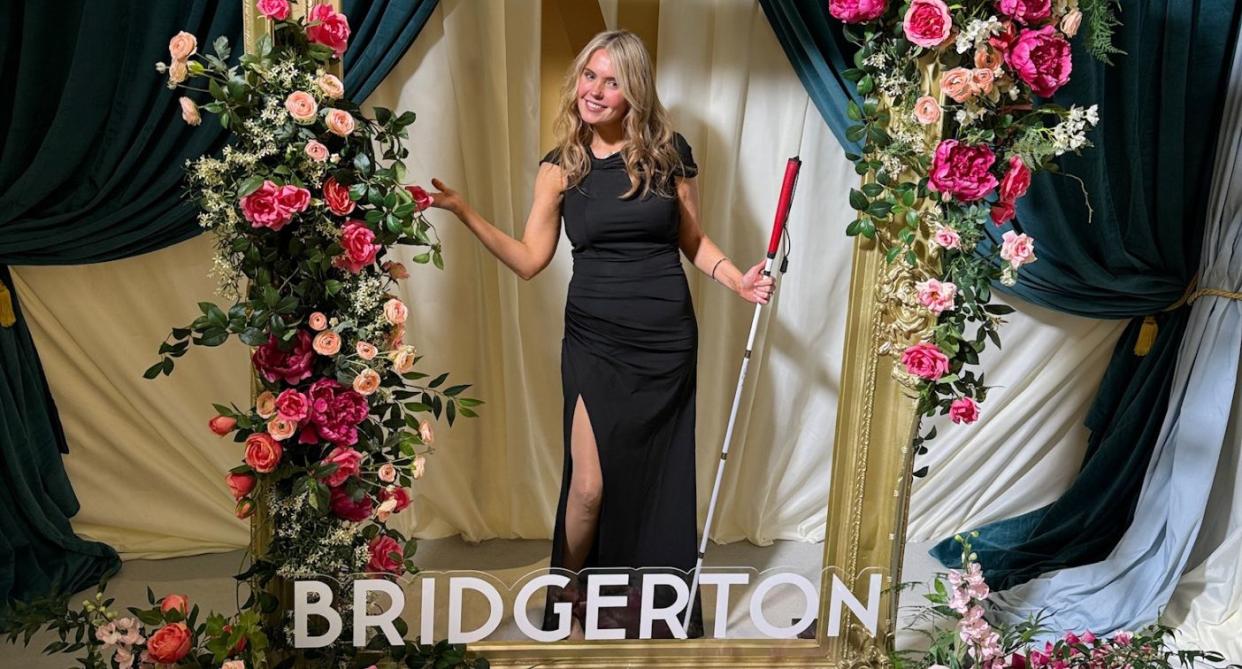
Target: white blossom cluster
(312,546)
(976,33)
(1071,134)
(367,292)
(966,116)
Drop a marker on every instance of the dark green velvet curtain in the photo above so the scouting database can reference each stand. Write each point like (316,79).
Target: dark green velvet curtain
(90,171)
(1147,177)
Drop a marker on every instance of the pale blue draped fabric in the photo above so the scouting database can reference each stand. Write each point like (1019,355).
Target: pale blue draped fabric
(1130,587)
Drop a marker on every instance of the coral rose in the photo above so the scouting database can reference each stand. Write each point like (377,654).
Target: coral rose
(366,351)
(981,79)
(367,382)
(302,107)
(360,247)
(1017,180)
(294,199)
(396,270)
(426,432)
(327,343)
(337,197)
(403,359)
(988,58)
(265,404)
(317,321)
(244,509)
(240,485)
(316,151)
(340,122)
(395,311)
(422,199)
(329,28)
(857,11)
(1070,23)
(182,45)
(282,428)
(963,410)
(1042,59)
(387,472)
(264,208)
(179,603)
(189,111)
(927,23)
(222,425)
(957,84)
(263,453)
(178,72)
(925,360)
(962,171)
(170,644)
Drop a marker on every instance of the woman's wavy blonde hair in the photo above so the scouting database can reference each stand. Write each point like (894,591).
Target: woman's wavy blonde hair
(651,159)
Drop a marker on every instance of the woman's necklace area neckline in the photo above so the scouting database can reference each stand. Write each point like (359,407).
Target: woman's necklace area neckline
(599,157)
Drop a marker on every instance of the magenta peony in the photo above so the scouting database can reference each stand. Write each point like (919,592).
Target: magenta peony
(290,366)
(1026,12)
(1042,59)
(925,360)
(962,171)
(857,11)
(335,412)
(928,23)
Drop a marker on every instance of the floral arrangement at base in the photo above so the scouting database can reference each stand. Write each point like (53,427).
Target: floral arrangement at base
(305,205)
(963,638)
(952,129)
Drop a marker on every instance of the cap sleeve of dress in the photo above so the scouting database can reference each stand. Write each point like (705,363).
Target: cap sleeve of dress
(554,157)
(688,167)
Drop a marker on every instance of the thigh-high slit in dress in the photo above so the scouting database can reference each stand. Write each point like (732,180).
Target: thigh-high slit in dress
(629,351)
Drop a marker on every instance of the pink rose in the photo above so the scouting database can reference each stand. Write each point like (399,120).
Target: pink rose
(947,237)
(330,86)
(263,453)
(927,23)
(316,151)
(222,425)
(182,46)
(1026,12)
(964,410)
(386,556)
(360,247)
(366,351)
(179,603)
(396,270)
(348,463)
(422,199)
(346,507)
(1123,637)
(958,84)
(290,366)
(189,111)
(340,123)
(282,428)
(170,644)
(387,472)
(925,360)
(240,484)
(367,382)
(329,28)
(1070,23)
(1018,249)
(294,199)
(1042,59)
(1016,181)
(1003,41)
(927,110)
(962,171)
(317,321)
(263,207)
(265,404)
(327,343)
(936,295)
(337,197)
(274,9)
(857,11)
(335,414)
(395,311)
(302,107)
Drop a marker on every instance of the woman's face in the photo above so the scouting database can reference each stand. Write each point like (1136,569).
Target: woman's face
(600,100)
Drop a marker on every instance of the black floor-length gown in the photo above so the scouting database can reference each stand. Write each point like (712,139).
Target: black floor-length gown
(630,349)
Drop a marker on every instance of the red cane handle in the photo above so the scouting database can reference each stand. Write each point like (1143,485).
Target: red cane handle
(783,205)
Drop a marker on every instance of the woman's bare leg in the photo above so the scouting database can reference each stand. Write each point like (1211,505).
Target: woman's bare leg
(586,492)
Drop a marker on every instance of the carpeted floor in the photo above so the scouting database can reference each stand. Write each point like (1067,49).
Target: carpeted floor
(207,581)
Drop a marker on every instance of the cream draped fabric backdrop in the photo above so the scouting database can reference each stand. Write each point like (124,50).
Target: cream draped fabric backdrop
(150,475)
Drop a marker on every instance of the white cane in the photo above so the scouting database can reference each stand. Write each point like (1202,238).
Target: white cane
(778,232)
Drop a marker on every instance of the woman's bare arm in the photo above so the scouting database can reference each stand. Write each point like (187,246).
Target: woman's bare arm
(708,257)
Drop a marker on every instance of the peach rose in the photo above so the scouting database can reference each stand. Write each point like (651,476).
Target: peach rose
(957,84)
(387,472)
(281,428)
(426,433)
(302,107)
(981,78)
(189,111)
(317,321)
(419,467)
(403,359)
(265,404)
(366,351)
(396,337)
(182,45)
(222,425)
(175,603)
(316,151)
(340,122)
(395,311)
(170,644)
(327,343)
(1070,23)
(988,58)
(330,86)
(263,453)
(927,110)
(367,382)
(178,72)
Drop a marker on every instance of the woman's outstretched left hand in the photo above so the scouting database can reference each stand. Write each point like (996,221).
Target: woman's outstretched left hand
(754,287)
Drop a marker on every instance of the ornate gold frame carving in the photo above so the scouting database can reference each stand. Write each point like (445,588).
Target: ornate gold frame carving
(867,505)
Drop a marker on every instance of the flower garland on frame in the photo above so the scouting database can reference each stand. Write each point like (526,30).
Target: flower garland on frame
(995,59)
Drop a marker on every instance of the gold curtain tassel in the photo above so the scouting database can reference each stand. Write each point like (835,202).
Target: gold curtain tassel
(1146,336)
(7,316)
